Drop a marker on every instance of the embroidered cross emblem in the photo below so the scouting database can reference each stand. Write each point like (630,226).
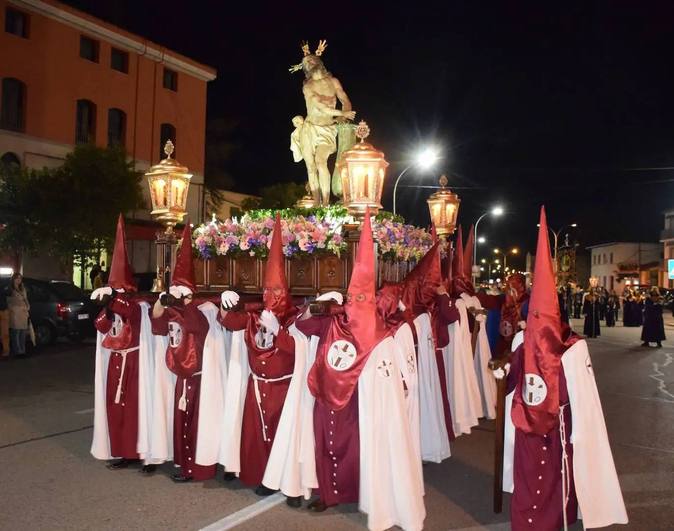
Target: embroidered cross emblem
(385,368)
(175,334)
(341,355)
(117,326)
(535,390)
(411,364)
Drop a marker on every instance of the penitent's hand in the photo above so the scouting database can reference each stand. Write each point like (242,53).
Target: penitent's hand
(229,299)
(99,293)
(332,296)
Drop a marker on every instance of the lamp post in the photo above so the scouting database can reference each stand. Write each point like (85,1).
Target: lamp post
(424,160)
(362,170)
(169,184)
(513,251)
(555,234)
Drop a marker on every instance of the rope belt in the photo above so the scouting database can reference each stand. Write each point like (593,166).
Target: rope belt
(123,353)
(182,403)
(566,481)
(257,379)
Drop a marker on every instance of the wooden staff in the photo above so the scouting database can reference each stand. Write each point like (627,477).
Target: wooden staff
(495,364)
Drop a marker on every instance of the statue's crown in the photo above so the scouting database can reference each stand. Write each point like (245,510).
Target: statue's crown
(306,50)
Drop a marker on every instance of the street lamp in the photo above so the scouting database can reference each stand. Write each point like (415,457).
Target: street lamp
(424,160)
(362,169)
(505,254)
(496,212)
(556,234)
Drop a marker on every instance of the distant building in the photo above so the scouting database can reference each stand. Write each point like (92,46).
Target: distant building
(68,78)
(617,265)
(667,240)
(230,204)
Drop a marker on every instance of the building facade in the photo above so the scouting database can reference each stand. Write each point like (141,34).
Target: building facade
(68,78)
(619,265)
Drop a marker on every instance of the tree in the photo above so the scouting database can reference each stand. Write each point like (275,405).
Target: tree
(276,196)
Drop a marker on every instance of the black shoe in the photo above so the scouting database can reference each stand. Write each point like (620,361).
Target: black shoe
(294,501)
(148,469)
(261,490)
(229,476)
(644,344)
(179,478)
(120,463)
(317,505)
(659,344)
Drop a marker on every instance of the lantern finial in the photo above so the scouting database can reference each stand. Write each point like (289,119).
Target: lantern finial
(362,130)
(169,148)
(443,181)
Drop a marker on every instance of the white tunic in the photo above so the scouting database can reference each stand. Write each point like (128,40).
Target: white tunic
(433,429)
(464,393)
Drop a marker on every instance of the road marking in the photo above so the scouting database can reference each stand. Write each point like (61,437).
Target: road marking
(651,448)
(658,375)
(84,411)
(33,439)
(245,514)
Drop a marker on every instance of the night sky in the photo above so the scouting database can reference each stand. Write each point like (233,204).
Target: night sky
(559,103)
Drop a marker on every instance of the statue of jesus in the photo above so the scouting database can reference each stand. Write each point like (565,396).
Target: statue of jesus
(315,138)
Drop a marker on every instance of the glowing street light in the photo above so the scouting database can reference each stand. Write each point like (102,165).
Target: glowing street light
(481,239)
(424,160)
(496,212)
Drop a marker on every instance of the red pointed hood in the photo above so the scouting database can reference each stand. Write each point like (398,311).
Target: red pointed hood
(536,400)
(420,284)
(388,298)
(183,273)
(434,233)
(121,274)
(460,283)
(468,254)
(275,295)
(361,299)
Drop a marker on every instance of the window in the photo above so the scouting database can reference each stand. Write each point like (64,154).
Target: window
(116,127)
(12,113)
(10,161)
(85,128)
(16,22)
(604,258)
(170,80)
(612,282)
(119,60)
(166,132)
(88,49)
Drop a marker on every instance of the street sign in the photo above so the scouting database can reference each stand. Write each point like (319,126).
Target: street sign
(670,269)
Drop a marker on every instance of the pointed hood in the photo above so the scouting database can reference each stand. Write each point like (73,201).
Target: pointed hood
(468,254)
(434,233)
(121,274)
(183,273)
(420,284)
(459,282)
(361,301)
(275,295)
(536,402)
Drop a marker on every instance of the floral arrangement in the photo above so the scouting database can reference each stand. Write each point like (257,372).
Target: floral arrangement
(306,232)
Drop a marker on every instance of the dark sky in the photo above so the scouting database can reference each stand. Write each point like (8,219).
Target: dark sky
(531,102)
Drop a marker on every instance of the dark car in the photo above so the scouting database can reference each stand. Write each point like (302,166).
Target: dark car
(57,309)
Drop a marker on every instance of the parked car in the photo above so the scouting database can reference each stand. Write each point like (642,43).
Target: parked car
(58,309)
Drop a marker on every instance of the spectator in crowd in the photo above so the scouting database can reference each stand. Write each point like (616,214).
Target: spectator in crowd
(591,313)
(19,312)
(4,325)
(653,330)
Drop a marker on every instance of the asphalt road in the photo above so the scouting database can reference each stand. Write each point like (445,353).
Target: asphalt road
(48,479)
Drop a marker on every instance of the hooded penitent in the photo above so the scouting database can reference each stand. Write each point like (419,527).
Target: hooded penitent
(468,254)
(275,295)
(515,296)
(121,274)
(460,282)
(329,381)
(183,274)
(388,298)
(420,285)
(536,408)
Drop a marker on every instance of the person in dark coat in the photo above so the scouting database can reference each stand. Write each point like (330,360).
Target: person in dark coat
(591,313)
(612,307)
(577,303)
(629,308)
(639,309)
(653,330)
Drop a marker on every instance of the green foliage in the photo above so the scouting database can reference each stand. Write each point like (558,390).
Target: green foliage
(277,196)
(71,211)
(332,211)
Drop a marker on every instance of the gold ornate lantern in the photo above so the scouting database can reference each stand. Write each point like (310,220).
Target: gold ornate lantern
(362,170)
(169,183)
(443,206)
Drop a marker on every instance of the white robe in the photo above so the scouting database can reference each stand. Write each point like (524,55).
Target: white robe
(291,467)
(485,378)
(600,501)
(213,389)
(434,440)
(100,446)
(464,393)
(390,491)
(407,362)
(161,447)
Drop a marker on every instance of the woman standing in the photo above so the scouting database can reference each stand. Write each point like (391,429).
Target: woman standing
(654,327)
(591,313)
(17,303)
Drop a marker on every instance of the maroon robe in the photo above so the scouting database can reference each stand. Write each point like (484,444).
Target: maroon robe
(336,432)
(537,498)
(120,322)
(187,328)
(266,365)
(444,314)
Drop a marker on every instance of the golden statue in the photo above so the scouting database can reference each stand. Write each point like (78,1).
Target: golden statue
(315,137)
